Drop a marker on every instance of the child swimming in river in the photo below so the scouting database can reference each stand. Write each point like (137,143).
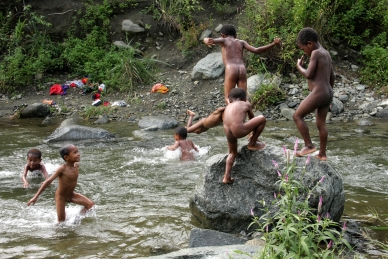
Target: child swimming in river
(186,145)
(232,56)
(34,163)
(67,175)
(320,79)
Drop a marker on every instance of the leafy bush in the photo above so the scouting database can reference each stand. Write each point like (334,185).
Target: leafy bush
(376,65)
(296,230)
(267,95)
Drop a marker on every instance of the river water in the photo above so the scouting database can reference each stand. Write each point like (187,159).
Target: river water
(142,190)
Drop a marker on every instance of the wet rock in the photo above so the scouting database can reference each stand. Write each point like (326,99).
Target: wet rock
(161,122)
(35,110)
(365,122)
(47,121)
(102,119)
(227,207)
(208,237)
(68,130)
(383,113)
(209,67)
(219,252)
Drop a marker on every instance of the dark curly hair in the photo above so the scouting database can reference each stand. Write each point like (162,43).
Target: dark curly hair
(237,94)
(307,34)
(228,30)
(65,150)
(34,152)
(182,132)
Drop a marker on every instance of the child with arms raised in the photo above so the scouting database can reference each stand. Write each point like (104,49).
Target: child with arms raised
(34,162)
(232,56)
(235,127)
(67,175)
(186,145)
(320,79)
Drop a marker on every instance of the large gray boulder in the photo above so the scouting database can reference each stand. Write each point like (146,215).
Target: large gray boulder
(69,131)
(159,122)
(336,106)
(35,110)
(227,207)
(383,113)
(209,67)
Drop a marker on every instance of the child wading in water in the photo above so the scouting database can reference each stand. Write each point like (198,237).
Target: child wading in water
(67,175)
(235,127)
(320,78)
(34,162)
(186,145)
(232,56)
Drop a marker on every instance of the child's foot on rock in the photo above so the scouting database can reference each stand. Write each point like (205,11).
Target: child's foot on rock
(228,181)
(321,157)
(258,146)
(190,113)
(305,151)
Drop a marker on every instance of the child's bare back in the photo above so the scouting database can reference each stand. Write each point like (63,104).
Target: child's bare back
(232,56)
(186,145)
(235,127)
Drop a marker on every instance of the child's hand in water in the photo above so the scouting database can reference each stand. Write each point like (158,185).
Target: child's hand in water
(25,185)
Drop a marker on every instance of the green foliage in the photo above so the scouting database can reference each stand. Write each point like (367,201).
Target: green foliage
(162,105)
(175,14)
(94,111)
(296,230)
(28,50)
(190,36)
(376,65)
(267,95)
(221,9)
(357,23)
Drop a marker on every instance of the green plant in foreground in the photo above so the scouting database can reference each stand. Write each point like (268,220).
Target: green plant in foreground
(296,230)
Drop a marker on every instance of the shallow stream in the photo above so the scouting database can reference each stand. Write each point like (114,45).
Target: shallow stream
(142,190)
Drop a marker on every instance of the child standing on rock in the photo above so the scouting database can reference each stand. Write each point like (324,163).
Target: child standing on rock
(320,79)
(235,127)
(232,56)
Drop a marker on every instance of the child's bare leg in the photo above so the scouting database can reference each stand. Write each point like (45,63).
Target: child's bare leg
(231,78)
(232,145)
(60,204)
(306,106)
(253,143)
(191,116)
(321,124)
(82,200)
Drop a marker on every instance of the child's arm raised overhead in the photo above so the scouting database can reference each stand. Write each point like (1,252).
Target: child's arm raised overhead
(46,183)
(24,179)
(262,48)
